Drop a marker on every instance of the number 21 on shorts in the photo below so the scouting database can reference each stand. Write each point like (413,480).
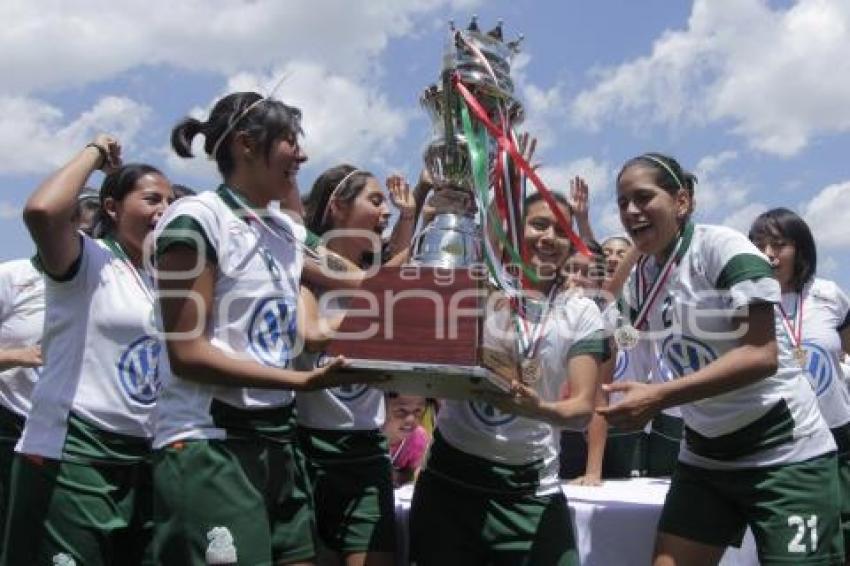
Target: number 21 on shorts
(797,544)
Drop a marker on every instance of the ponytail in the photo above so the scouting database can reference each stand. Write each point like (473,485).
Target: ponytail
(183,134)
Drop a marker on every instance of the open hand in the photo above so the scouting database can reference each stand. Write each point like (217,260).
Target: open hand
(579,197)
(400,194)
(640,403)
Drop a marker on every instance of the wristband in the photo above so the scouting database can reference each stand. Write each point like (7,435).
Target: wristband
(104,156)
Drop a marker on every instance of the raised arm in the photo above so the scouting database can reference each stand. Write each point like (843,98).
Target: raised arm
(581,211)
(49,211)
(403,199)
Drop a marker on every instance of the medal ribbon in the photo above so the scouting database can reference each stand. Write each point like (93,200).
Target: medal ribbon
(271,266)
(529,349)
(795,334)
(507,144)
(119,252)
(649,297)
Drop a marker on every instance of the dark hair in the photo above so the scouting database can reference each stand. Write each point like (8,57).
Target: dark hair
(537,197)
(266,121)
(181,191)
(670,176)
(784,223)
(117,185)
(316,220)
(597,254)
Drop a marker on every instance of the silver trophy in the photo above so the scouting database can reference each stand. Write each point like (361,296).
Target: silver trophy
(482,62)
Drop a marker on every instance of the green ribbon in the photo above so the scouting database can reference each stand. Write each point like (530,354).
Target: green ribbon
(476,142)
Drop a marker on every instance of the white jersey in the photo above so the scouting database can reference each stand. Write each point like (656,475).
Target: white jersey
(477,428)
(773,421)
(258,271)
(348,407)
(101,352)
(21,325)
(825,311)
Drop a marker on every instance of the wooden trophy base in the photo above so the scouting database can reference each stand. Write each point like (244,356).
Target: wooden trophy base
(419,328)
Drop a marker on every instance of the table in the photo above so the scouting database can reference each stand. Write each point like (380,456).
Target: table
(615,523)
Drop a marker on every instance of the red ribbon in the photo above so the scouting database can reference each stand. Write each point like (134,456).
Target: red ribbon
(508,145)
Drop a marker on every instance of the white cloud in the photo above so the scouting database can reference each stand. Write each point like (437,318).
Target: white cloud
(826,214)
(9,211)
(91,40)
(717,191)
(742,218)
(779,77)
(36,137)
(597,175)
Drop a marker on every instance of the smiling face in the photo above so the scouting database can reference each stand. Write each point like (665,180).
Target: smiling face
(545,242)
(404,414)
(272,176)
(138,212)
(651,215)
(367,213)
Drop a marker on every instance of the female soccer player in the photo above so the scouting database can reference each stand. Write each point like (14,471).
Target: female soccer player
(340,428)
(813,323)
(86,443)
(489,492)
(227,487)
(756,450)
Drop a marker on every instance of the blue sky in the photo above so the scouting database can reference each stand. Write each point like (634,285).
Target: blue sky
(751,95)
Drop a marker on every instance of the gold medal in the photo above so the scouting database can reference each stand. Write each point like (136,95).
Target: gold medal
(530,370)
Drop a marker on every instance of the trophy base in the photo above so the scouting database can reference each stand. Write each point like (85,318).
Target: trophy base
(420,329)
(429,380)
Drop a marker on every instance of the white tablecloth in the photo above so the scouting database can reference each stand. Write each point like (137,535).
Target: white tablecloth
(615,523)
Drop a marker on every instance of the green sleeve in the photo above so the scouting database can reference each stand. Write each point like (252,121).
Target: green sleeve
(185,231)
(743,267)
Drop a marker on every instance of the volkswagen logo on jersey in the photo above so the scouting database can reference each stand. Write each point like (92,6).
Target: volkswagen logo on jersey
(490,415)
(686,355)
(271,334)
(818,368)
(349,392)
(622,364)
(138,370)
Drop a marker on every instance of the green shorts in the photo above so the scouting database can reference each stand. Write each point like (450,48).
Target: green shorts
(662,449)
(11,427)
(352,489)
(90,514)
(497,520)
(625,455)
(841,435)
(219,499)
(793,510)
(452,525)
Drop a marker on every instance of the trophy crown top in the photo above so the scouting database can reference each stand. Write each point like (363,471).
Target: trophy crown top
(496,32)
(473,24)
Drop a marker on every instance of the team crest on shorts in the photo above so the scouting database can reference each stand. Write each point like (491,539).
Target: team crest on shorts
(686,355)
(272,331)
(490,415)
(818,368)
(221,549)
(138,370)
(63,559)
